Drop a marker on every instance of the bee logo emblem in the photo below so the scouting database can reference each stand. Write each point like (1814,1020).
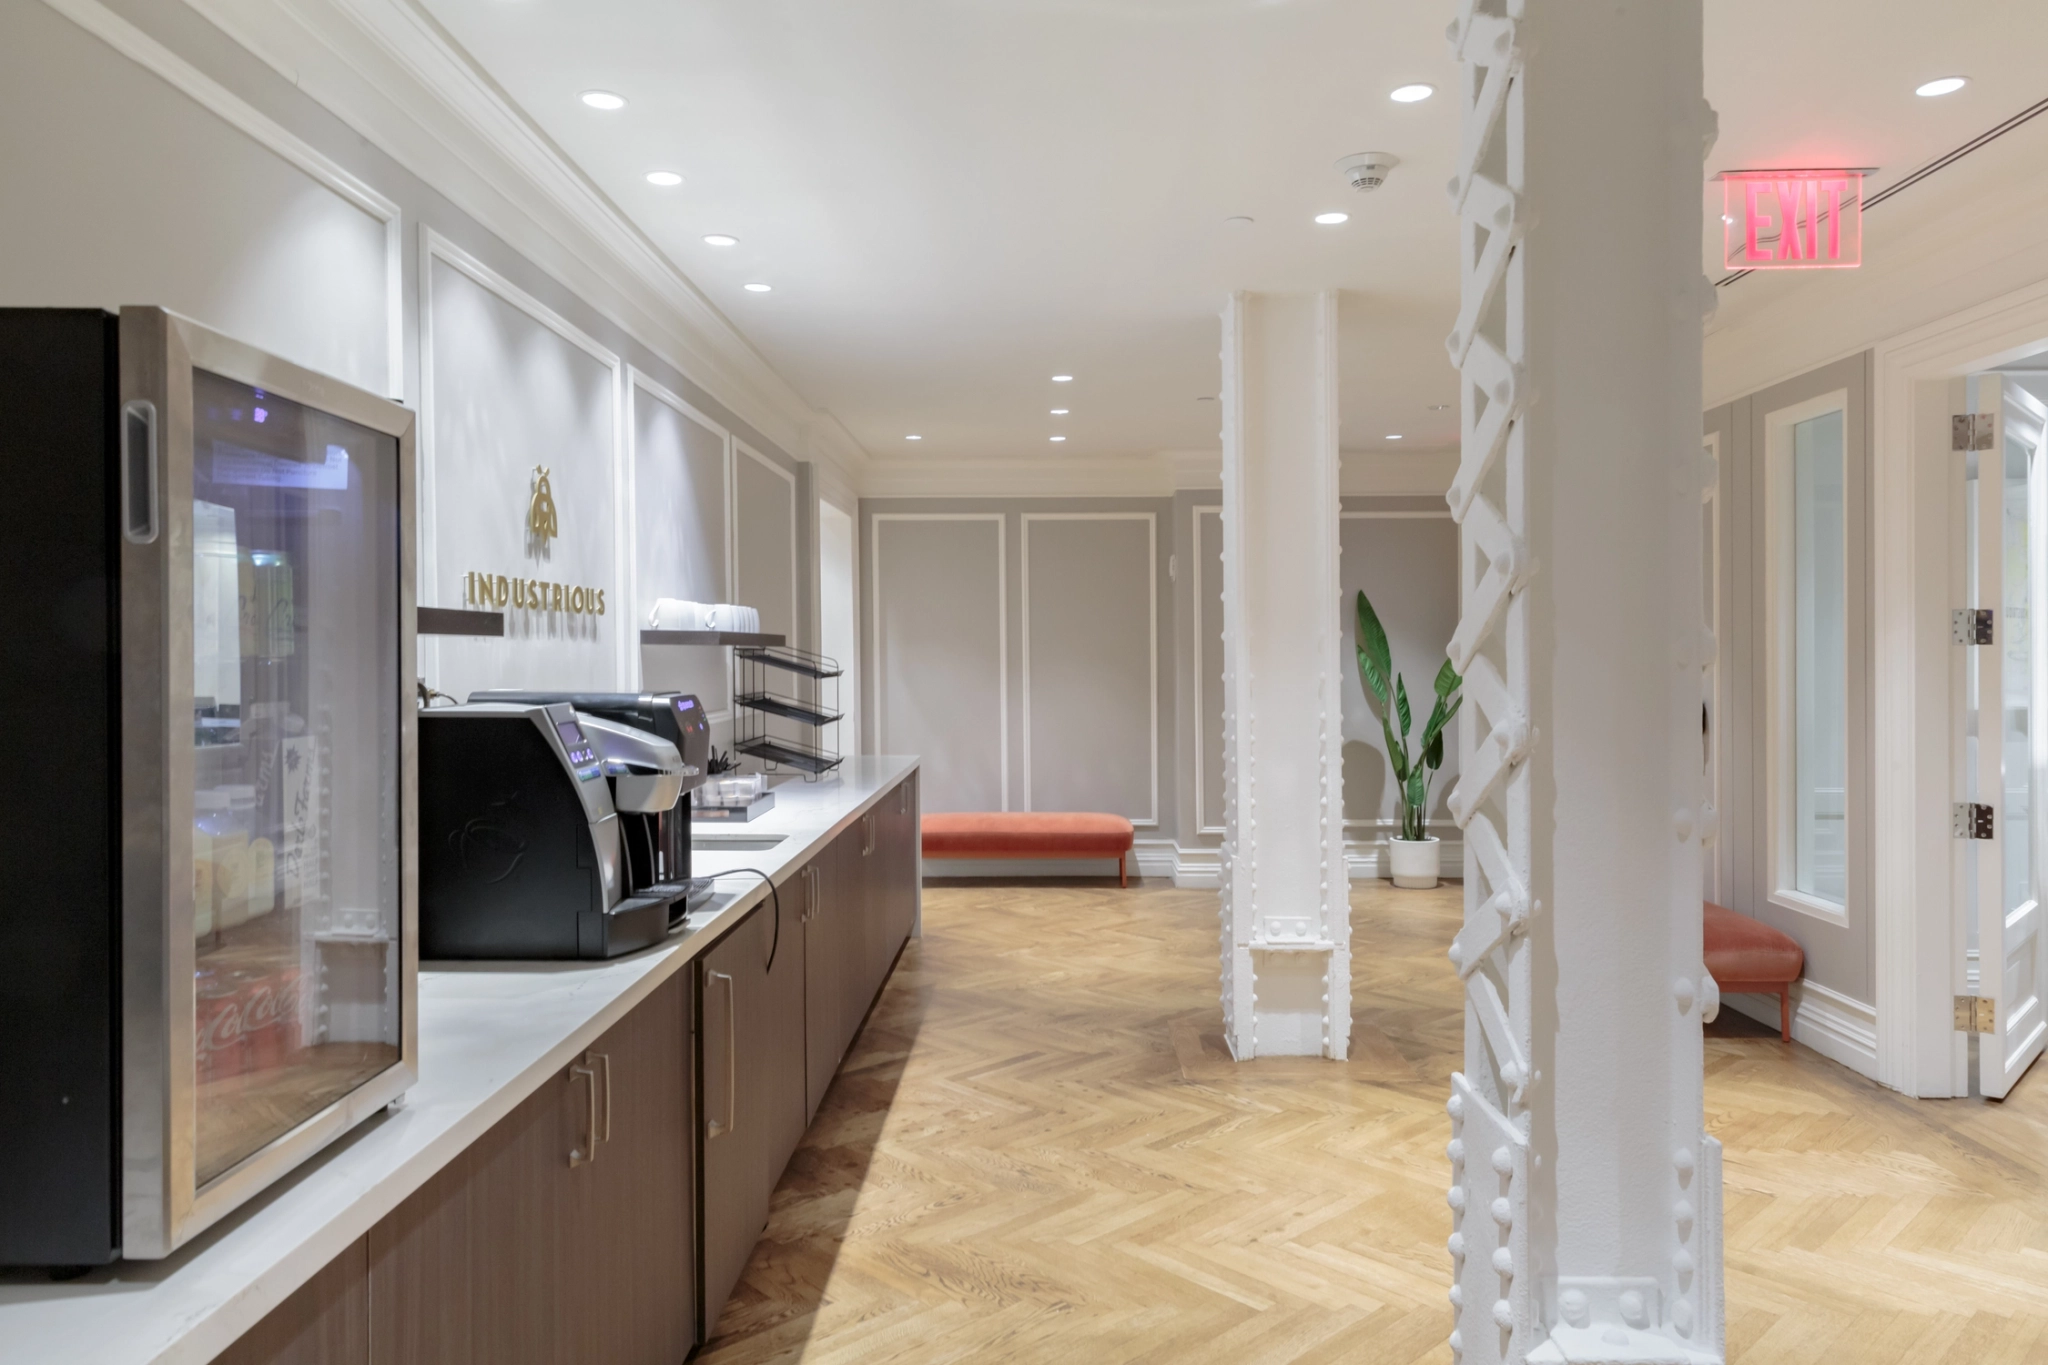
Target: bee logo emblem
(541,525)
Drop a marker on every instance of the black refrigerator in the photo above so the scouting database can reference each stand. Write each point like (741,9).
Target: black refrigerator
(208,957)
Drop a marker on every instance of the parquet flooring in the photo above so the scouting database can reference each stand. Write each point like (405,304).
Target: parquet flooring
(1038,1151)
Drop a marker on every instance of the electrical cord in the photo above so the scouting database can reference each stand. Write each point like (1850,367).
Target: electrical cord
(774,897)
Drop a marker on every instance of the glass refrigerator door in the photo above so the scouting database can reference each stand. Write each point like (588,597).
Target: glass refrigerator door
(296,777)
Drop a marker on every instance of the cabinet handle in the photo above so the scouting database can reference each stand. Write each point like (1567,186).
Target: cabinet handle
(868,830)
(584,1154)
(604,1062)
(715,1128)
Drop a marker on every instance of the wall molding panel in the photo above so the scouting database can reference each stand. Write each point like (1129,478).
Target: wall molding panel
(877,691)
(146,52)
(434,247)
(1203,822)
(1151,588)
(639,382)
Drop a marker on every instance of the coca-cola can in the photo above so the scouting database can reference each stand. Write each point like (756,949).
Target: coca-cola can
(221,1045)
(270,1017)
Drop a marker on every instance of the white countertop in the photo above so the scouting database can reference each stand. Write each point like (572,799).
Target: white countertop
(490,1034)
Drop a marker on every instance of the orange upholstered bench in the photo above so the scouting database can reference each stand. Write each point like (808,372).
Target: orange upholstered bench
(1746,955)
(1030,834)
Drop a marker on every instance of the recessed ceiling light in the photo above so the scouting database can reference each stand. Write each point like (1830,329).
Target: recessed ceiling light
(1439,407)
(759,288)
(1059,412)
(1063,379)
(720,239)
(604,99)
(1057,438)
(1332,219)
(668,180)
(1394,436)
(913,438)
(1947,85)
(1410,94)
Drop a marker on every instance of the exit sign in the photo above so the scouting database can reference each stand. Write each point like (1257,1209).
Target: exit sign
(1792,220)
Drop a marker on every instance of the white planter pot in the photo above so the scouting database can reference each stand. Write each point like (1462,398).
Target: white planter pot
(1415,862)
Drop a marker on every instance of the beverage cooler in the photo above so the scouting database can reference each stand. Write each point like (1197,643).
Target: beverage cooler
(206,824)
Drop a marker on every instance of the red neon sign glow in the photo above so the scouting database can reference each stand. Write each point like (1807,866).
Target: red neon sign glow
(1792,220)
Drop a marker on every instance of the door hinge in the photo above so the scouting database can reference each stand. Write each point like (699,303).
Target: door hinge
(1971,625)
(1970,431)
(1970,820)
(1976,1014)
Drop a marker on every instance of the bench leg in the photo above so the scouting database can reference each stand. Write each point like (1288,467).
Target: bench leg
(1785,1013)
(1122,877)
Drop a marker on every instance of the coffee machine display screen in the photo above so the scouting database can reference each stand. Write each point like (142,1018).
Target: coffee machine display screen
(581,754)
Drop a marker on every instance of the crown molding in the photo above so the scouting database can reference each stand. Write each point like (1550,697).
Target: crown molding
(392,74)
(1159,474)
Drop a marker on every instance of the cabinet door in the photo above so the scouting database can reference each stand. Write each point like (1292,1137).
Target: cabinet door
(513,1237)
(823,1011)
(785,1108)
(738,1110)
(324,1322)
(627,1234)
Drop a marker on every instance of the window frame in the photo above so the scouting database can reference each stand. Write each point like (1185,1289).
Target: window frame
(1781,684)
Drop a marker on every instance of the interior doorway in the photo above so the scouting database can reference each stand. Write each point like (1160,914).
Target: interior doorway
(2000,682)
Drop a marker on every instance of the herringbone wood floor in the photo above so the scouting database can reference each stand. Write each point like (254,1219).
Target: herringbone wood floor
(1038,1152)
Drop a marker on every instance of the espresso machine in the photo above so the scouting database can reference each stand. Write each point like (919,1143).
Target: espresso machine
(525,851)
(656,840)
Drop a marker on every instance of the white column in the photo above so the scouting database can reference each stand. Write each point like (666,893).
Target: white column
(1286,910)
(1587,1198)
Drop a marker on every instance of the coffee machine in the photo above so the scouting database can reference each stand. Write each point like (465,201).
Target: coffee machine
(524,851)
(657,841)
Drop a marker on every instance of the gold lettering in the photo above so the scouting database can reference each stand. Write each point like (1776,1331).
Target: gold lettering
(576,600)
(557,597)
(500,591)
(600,601)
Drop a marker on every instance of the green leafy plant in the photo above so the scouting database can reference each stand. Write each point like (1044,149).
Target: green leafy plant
(1411,774)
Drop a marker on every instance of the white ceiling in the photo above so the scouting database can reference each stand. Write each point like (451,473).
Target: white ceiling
(956,199)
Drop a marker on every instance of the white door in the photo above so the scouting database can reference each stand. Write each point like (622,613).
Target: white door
(2005,751)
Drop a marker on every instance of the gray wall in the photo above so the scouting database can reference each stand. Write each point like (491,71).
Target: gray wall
(121,188)
(1025,648)
(1402,552)
(1066,654)
(1841,958)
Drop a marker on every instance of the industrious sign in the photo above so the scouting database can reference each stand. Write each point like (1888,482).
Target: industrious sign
(534,594)
(1792,220)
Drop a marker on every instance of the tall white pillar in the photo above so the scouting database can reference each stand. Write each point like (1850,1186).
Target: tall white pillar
(1286,911)
(1587,1198)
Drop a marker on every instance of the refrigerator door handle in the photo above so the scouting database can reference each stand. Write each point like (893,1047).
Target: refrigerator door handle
(138,471)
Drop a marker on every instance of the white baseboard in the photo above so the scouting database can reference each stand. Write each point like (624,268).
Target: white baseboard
(1829,1022)
(1197,868)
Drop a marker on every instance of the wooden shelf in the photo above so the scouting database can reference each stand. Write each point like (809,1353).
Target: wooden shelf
(709,637)
(456,621)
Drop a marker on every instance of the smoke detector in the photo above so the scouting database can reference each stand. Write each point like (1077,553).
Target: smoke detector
(1367,171)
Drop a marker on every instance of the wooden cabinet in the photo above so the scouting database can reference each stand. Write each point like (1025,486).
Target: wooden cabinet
(325,1323)
(752,988)
(567,1232)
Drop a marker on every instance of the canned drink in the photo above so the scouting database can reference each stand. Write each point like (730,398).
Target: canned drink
(220,1044)
(270,1017)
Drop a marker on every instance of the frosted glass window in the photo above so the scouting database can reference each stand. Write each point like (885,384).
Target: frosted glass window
(1819,661)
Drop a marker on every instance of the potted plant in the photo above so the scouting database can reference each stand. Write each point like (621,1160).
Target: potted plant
(1415,853)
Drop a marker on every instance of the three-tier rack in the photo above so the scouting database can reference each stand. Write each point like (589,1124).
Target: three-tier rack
(811,700)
